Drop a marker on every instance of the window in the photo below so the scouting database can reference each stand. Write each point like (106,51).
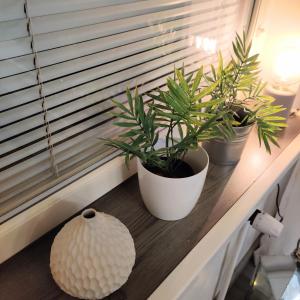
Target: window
(62,61)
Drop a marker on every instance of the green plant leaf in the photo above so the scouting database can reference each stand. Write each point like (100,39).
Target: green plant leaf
(125,124)
(131,133)
(121,106)
(205,91)
(129,98)
(123,116)
(197,80)
(182,80)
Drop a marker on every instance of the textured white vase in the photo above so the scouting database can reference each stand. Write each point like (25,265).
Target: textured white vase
(92,255)
(174,198)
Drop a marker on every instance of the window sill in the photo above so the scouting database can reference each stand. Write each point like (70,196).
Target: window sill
(161,246)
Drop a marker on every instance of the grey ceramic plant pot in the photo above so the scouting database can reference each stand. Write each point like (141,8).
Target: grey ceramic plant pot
(228,152)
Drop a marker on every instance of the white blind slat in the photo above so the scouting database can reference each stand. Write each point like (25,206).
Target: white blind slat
(20,112)
(20,81)
(22,140)
(25,63)
(74,118)
(17,82)
(17,47)
(21,127)
(16,175)
(72,51)
(19,155)
(11,10)
(67,82)
(16,65)
(105,43)
(79,104)
(77,35)
(13,29)
(158,65)
(69,20)
(111,130)
(45,7)
(107,104)
(33,186)
(75,65)
(40,163)
(13,115)
(13,194)
(118,65)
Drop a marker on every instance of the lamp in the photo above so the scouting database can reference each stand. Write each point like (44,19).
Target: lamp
(286,73)
(286,70)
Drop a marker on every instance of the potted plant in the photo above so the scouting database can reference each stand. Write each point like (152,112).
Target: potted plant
(238,83)
(163,134)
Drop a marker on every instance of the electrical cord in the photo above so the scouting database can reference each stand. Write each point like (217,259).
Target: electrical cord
(258,211)
(277,203)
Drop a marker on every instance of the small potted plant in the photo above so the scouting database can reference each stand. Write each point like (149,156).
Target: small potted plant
(238,83)
(163,134)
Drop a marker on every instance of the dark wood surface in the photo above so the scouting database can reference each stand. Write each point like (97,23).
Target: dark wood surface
(160,245)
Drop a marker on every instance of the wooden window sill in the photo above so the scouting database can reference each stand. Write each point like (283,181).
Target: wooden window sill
(160,245)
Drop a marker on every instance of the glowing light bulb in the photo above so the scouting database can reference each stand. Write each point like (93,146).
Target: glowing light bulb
(286,68)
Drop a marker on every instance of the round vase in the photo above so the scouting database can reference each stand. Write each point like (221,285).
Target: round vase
(228,152)
(92,255)
(173,198)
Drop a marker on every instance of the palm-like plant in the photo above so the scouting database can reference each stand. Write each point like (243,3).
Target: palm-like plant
(238,83)
(174,115)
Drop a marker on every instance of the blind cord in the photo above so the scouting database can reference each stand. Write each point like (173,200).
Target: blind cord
(41,93)
(277,203)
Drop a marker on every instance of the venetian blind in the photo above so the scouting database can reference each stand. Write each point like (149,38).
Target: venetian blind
(61,61)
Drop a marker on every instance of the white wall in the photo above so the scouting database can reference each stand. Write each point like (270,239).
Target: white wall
(277,29)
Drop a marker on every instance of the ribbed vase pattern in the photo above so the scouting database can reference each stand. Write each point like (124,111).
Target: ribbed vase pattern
(92,255)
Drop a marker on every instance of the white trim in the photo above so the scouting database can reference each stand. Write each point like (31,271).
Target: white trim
(245,16)
(31,224)
(183,275)
(232,255)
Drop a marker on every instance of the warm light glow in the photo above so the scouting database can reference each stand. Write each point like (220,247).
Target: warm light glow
(207,44)
(256,159)
(287,67)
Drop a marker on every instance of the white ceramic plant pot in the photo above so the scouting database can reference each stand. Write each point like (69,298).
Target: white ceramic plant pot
(92,255)
(174,198)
